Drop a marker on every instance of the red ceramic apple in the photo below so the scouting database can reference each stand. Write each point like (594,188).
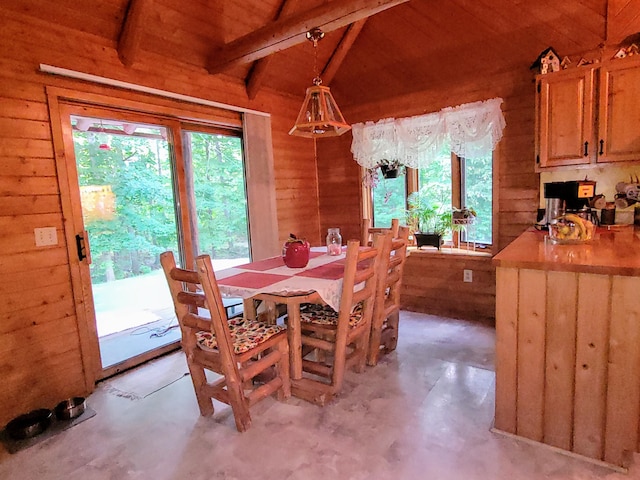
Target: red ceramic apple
(295,252)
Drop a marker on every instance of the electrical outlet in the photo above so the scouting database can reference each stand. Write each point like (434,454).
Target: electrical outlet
(467,275)
(46,236)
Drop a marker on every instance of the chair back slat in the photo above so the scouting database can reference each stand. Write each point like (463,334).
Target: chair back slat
(193,299)
(197,321)
(182,275)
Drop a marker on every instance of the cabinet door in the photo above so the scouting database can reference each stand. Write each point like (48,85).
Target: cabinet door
(619,113)
(565,118)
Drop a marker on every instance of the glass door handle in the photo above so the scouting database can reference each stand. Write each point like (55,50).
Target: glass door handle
(82,245)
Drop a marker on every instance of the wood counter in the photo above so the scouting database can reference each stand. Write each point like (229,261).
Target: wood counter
(610,252)
(568,343)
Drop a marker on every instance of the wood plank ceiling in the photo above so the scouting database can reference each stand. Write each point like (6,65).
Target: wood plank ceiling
(408,46)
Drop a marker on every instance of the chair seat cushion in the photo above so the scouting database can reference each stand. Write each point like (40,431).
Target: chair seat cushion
(325,315)
(246,334)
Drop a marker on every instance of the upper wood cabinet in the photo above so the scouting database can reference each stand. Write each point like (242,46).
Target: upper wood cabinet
(619,112)
(565,118)
(577,125)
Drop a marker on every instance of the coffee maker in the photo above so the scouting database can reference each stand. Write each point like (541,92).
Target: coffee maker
(568,197)
(554,194)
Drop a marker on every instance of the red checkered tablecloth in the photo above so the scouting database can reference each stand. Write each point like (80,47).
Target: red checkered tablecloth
(323,274)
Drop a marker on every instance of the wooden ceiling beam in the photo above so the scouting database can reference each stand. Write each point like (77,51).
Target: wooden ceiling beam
(339,54)
(290,31)
(259,70)
(131,35)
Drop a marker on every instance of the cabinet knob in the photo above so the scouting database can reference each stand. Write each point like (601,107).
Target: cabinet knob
(586,149)
(601,152)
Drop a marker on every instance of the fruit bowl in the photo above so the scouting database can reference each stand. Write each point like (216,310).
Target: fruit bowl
(571,229)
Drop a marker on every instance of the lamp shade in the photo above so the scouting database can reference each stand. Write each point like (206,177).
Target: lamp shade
(319,115)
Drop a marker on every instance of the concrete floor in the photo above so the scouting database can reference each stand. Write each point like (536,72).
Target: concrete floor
(424,412)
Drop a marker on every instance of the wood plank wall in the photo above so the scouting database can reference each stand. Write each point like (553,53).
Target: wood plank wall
(339,190)
(568,361)
(40,361)
(433,283)
(516,196)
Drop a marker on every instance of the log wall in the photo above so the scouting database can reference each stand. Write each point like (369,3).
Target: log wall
(339,188)
(40,357)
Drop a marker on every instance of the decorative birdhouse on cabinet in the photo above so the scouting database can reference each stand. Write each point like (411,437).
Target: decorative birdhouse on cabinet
(548,61)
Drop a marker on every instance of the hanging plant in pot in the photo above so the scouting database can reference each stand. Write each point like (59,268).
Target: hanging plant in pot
(391,169)
(388,169)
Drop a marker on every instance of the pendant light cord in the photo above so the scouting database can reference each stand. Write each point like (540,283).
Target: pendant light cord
(315,35)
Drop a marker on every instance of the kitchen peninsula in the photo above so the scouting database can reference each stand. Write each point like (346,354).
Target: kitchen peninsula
(568,343)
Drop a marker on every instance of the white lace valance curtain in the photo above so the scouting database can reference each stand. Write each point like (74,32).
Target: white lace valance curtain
(471,130)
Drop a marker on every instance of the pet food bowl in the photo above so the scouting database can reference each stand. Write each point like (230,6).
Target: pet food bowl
(29,424)
(70,408)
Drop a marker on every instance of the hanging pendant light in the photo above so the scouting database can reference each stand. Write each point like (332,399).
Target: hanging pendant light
(319,115)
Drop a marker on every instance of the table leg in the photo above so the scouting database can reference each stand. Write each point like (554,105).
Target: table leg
(295,340)
(249,307)
(268,312)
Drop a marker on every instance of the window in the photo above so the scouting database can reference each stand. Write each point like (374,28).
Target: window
(471,131)
(216,168)
(389,200)
(476,192)
(449,181)
(435,182)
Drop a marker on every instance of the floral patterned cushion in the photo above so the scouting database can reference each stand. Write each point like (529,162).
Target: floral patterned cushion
(246,334)
(325,315)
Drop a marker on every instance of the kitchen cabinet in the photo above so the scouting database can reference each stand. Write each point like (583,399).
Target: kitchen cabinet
(619,112)
(565,118)
(588,115)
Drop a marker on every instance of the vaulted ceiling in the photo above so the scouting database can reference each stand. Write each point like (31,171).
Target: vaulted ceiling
(373,49)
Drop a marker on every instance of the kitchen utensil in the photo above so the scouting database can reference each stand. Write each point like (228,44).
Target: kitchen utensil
(608,214)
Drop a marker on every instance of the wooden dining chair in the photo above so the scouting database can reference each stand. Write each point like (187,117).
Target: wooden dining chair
(239,350)
(335,341)
(386,317)
(367,232)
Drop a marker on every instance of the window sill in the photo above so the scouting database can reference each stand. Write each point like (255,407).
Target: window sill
(447,251)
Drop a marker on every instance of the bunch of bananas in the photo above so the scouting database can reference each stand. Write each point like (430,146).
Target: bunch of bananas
(572,227)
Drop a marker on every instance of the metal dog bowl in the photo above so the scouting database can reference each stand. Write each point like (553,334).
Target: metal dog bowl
(70,408)
(29,424)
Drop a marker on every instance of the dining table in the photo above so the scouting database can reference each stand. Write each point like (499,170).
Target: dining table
(271,282)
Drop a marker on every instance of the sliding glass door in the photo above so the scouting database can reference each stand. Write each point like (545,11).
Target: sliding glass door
(141,193)
(126,187)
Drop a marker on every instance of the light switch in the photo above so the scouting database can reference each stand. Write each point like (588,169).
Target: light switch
(46,236)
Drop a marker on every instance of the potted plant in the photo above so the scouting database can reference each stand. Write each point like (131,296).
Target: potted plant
(428,221)
(464,216)
(388,168)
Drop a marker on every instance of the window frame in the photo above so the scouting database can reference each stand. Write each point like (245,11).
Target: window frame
(457,189)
